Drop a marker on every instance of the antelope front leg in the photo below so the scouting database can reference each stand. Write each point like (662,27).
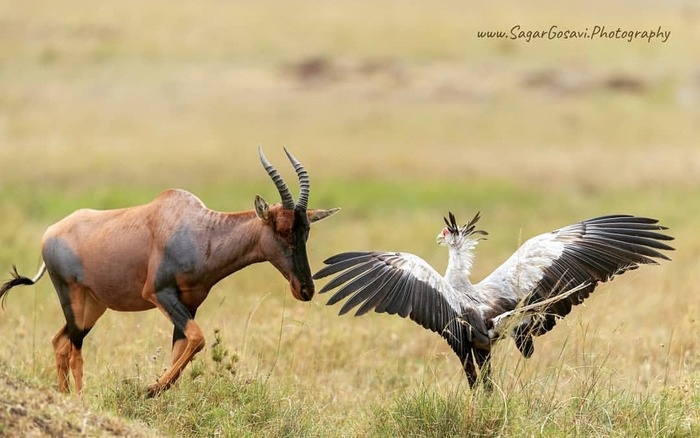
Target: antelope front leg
(179,342)
(193,340)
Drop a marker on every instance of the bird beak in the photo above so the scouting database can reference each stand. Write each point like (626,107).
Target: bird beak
(440,239)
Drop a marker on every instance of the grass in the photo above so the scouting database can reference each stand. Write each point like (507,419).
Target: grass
(408,116)
(223,402)
(30,410)
(277,367)
(423,412)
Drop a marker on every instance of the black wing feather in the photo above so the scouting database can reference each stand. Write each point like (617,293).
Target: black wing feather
(384,278)
(356,284)
(594,251)
(341,262)
(389,283)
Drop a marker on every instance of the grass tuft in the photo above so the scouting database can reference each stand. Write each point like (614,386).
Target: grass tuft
(211,401)
(605,411)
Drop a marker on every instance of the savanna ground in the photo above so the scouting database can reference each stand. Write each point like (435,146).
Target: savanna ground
(400,113)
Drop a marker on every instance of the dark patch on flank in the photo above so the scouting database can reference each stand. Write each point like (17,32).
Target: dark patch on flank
(179,256)
(62,261)
(65,267)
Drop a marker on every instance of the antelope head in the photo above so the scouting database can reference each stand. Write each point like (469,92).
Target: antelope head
(287,227)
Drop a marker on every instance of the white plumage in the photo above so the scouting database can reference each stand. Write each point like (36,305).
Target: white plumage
(522,298)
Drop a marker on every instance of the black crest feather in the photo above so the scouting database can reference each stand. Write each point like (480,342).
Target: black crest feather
(466,230)
(452,223)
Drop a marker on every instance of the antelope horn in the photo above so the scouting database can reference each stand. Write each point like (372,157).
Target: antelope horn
(287,200)
(303,175)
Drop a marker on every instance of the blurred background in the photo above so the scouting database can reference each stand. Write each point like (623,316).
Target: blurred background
(400,112)
(163,94)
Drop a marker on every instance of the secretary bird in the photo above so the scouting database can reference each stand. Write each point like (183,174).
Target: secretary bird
(523,298)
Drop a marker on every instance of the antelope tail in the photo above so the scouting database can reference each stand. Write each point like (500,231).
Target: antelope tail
(19,280)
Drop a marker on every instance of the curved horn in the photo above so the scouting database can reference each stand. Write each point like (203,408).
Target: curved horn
(303,201)
(287,200)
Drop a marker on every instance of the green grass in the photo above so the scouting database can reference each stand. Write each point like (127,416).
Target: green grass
(223,402)
(424,412)
(410,117)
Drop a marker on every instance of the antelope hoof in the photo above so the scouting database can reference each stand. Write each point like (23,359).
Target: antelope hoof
(155,390)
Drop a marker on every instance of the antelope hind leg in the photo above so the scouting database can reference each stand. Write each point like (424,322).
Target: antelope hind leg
(62,349)
(76,366)
(80,309)
(85,312)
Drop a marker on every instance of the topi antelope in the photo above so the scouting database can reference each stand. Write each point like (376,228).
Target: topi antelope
(523,298)
(167,254)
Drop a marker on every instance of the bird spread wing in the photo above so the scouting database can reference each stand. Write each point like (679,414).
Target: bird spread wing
(404,284)
(577,256)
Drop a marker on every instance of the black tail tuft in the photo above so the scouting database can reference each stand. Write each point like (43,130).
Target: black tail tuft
(17,280)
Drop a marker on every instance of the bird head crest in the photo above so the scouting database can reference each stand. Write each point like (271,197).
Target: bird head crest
(466,230)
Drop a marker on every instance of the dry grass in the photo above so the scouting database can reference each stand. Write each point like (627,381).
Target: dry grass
(399,116)
(30,410)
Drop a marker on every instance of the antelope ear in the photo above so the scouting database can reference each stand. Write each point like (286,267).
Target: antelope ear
(317,215)
(262,209)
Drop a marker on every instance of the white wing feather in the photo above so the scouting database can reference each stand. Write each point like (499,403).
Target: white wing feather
(521,272)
